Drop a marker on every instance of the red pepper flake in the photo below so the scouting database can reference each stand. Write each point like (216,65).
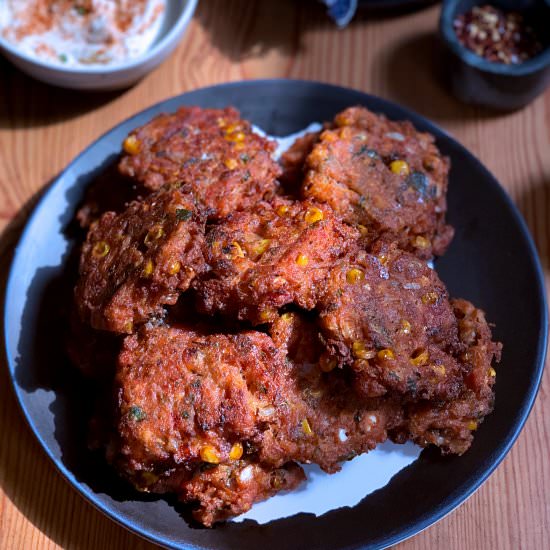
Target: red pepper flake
(497,36)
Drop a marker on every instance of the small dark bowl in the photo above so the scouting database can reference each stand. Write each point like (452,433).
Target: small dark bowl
(475,80)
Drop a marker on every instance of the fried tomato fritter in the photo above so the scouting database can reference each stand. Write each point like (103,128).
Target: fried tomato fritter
(212,152)
(269,256)
(388,316)
(221,419)
(190,409)
(191,412)
(447,424)
(384,177)
(135,262)
(450,424)
(182,393)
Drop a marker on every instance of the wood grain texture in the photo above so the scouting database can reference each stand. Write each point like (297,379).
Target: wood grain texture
(42,129)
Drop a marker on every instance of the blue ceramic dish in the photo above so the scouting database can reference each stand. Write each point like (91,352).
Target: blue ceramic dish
(492,262)
(477,81)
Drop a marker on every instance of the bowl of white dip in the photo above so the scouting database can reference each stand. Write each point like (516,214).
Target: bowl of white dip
(91,44)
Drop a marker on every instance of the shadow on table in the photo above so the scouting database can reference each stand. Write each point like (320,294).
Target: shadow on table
(242,29)
(382,9)
(26,103)
(415,71)
(534,204)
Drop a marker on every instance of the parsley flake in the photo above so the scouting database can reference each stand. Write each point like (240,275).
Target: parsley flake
(183,215)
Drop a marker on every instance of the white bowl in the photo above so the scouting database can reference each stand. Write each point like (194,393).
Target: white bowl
(109,77)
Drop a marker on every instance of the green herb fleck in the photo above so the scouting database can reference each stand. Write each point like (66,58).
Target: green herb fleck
(394,376)
(81,10)
(185,415)
(411,385)
(246,176)
(182,214)
(245,158)
(363,201)
(418,181)
(371,153)
(364,150)
(137,413)
(361,151)
(63,58)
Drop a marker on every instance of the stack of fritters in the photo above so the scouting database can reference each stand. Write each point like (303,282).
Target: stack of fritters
(256,330)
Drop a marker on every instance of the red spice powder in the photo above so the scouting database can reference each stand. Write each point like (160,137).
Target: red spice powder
(39,16)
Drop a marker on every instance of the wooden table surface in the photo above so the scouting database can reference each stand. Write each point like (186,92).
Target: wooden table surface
(42,129)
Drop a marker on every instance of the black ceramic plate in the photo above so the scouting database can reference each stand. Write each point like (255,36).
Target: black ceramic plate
(492,262)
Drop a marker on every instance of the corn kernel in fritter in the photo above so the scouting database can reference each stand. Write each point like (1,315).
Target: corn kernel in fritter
(209,454)
(101,249)
(236,451)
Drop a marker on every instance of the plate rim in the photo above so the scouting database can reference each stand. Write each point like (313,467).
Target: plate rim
(416,527)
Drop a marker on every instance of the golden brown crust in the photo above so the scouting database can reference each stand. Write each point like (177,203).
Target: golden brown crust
(274,254)
(180,391)
(387,315)
(212,152)
(450,424)
(383,176)
(342,423)
(135,262)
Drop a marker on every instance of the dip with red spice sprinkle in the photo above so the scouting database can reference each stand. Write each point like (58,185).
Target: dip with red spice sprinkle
(497,36)
(82,32)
